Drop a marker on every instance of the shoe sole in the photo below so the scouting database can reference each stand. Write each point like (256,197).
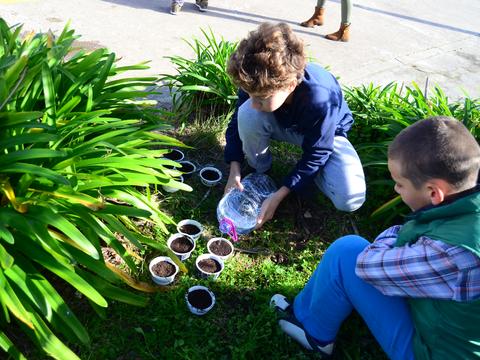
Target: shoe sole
(293,328)
(201,9)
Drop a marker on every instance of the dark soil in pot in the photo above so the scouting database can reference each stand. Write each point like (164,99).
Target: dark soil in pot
(210,175)
(209,266)
(186,168)
(200,299)
(163,269)
(220,248)
(174,155)
(189,229)
(181,245)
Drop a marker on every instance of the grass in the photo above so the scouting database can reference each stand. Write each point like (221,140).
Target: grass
(281,258)
(241,325)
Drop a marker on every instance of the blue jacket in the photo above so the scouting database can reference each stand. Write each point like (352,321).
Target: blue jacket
(318,111)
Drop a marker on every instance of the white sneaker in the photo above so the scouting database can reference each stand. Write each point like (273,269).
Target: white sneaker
(279,302)
(293,328)
(297,333)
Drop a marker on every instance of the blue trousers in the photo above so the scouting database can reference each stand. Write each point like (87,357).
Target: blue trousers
(334,291)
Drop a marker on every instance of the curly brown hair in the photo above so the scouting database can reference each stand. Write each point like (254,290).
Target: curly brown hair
(271,58)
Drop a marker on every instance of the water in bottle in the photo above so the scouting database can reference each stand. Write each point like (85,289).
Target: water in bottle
(237,211)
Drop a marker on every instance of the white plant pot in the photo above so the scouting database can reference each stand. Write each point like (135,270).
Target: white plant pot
(175,155)
(228,242)
(171,189)
(162,280)
(210,170)
(190,222)
(188,164)
(207,275)
(198,310)
(181,256)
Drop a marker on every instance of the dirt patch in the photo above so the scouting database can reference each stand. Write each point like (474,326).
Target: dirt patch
(280,259)
(111,256)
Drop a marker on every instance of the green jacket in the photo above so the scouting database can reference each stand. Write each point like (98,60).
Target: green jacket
(446,329)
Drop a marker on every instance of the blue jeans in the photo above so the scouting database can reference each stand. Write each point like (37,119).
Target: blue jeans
(334,291)
(341,179)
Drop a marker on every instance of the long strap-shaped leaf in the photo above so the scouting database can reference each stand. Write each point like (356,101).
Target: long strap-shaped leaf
(47,216)
(45,298)
(49,342)
(7,346)
(52,264)
(11,301)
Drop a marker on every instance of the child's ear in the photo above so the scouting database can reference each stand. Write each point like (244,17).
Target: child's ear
(293,85)
(438,190)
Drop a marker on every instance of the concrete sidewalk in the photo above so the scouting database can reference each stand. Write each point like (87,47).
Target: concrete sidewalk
(403,41)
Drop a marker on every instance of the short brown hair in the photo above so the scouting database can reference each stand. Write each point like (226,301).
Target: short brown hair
(439,147)
(271,58)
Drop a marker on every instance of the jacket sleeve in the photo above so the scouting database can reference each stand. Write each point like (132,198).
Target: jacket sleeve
(233,147)
(317,147)
(425,269)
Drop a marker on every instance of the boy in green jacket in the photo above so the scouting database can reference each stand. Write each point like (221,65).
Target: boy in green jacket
(417,286)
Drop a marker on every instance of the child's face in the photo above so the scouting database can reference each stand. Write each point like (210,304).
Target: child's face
(413,197)
(271,102)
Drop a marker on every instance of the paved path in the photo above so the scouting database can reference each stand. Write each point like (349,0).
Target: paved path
(404,40)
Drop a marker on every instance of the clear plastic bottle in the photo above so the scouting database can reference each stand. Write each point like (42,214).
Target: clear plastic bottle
(240,209)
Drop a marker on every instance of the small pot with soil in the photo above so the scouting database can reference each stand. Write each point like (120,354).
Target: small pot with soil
(187,168)
(182,245)
(171,189)
(200,299)
(221,247)
(191,228)
(163,270)
(175,155)
(209,266)
(210,176)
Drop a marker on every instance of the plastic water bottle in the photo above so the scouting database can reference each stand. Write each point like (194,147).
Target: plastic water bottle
(237,211)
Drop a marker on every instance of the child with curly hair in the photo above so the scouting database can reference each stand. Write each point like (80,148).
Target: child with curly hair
(283,97)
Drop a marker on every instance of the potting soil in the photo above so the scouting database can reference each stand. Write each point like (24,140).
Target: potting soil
(200,299)
(189,229)
(181,245)
(163,269)
(221,248)
(209,266)
(210,175)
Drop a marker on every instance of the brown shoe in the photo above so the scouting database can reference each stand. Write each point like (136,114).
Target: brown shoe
(316,19)
(343,34)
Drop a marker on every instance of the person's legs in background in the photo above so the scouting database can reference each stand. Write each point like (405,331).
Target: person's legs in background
(343,34)
(317,18)
(176,6)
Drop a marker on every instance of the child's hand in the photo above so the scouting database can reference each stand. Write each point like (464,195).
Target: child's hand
(233,182)
(270,205)
(234,178)
(267,211)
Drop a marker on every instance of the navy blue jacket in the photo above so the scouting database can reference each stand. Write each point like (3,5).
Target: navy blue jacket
(318,111)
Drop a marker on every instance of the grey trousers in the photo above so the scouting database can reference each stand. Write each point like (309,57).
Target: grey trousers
(342,179)
(346,9)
